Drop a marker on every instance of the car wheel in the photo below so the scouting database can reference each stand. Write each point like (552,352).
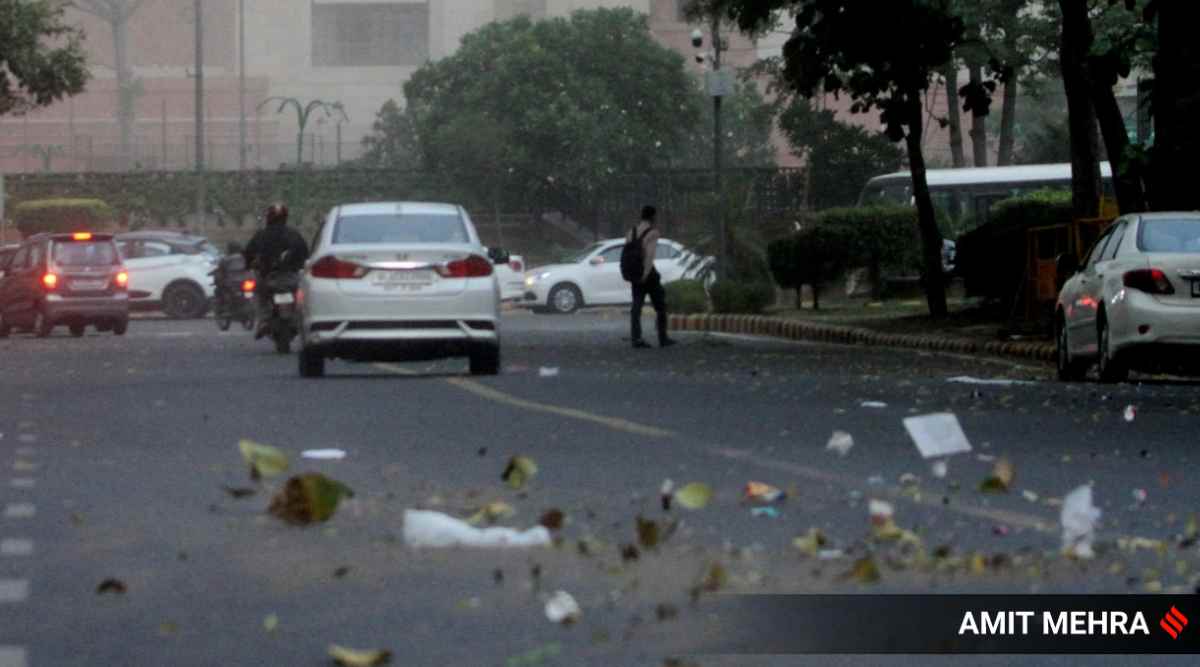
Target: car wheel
(312,363)
(223,322)
(1069,370)
(282,335)
(42,326)
(77,330)
(248,322)
(120,327)
(565,299)
(1111,367)
(184,301)
(485,360)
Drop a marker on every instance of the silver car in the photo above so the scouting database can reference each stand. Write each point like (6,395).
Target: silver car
(399,282)
(1134,301)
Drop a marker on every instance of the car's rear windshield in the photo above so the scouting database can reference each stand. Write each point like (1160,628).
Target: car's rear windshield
(85,253)
(1180,235)
(401,228)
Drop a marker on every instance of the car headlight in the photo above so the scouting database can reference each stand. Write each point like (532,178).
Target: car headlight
(532,279)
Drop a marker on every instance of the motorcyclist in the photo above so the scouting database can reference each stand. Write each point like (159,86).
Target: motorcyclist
(275,247)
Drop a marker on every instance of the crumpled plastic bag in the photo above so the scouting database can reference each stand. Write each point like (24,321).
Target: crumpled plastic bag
(424,528)
(1078,518)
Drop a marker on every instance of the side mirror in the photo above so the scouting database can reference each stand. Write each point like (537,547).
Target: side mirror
(498,255)
(1066,265)
(596,261)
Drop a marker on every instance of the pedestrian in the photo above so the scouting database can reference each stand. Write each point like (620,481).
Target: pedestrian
(648,283)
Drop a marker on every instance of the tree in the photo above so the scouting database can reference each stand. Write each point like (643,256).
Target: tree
(747,121)
(583,100)
(843,46)
(393,140)
(33,73)
(117,14)
(840,157)
(303,115)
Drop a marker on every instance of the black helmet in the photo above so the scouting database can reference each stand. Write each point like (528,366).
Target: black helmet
(277,213)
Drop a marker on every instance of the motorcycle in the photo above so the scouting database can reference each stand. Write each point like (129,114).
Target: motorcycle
(284,323)
(233,294)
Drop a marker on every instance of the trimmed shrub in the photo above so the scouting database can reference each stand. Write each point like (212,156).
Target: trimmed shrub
(730,296)
(686,297)
(991,258)
(62,215)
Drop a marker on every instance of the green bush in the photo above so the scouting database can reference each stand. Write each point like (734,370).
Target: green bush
(991,258)
(729,296)
(61,215)
(686,297)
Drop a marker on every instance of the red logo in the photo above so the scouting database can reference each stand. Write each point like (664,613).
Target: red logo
(1173,622)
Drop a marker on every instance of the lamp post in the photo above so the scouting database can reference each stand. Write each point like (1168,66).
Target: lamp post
(718,86)
(242,85)
(200,191)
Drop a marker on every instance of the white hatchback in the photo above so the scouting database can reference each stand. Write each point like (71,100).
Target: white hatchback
(1134,301)
(399,281)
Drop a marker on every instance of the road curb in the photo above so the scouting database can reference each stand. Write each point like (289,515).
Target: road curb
(776,327)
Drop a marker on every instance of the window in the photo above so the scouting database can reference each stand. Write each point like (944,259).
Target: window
(1098,249)
(1166,235)
(21,259)
(613,254)
(36,256)
(509,9)
(84,254)
(369,34)
(1117,236)
(665,251)
(406,228)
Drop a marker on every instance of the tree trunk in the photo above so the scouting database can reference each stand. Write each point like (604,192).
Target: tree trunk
(1085,166)
(1176,106)
(1127,174)
(953,116)
(931,236)
(978,121)
(1008,121)
(125,88)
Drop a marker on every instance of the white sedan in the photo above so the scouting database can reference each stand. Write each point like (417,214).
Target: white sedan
(169,271)
(1134,301)
(592,277)
(399,282)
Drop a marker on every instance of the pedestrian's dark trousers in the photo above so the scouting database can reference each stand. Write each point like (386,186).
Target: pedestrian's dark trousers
(653,288)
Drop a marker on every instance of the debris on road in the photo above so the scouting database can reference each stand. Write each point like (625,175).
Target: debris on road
(534,657)
(561,608)
(937,434)
(1000,529)
(940,469)
(811,543)
(1130,413)
(768,512)
(666,493)
(694,496)
(761,493)
(873,404)
(308,498)
(240,492)
(1139,496)
(111,585)
(651,533)
(348,657)
(840,442)
(1029,495)
(999,382)
(1000,479)
(271,623)
(548,372)
(264,460)
(1078,518)
(491,513)
(519,471)
(324,454)
(552,519)
(424,528)
(864,571)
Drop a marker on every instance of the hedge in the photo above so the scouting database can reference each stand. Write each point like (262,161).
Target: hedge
(992,258)
(61,215)
(730,296)
(686,296)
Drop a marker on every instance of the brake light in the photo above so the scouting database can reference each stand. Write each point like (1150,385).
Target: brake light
(82,236)
(472,266)
(332,267)
(50,281)
(248,285)
(122,279)
(516,266)
(1150,281)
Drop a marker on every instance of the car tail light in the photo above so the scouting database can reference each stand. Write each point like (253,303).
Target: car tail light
(50,281)
(332,267)
(516,265)
(473,266)
(82,236)
(122,280)
(1150,281)
(248,285)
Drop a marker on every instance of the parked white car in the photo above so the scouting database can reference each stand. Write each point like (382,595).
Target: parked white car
(511,276)
(399,281)
(592,277)
(1134,301)
(168,271)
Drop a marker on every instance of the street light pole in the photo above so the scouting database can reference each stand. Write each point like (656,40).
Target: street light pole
(723,264)
(242,85)
(200,193)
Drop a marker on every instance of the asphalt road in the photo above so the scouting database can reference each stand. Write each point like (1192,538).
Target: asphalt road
(115,451)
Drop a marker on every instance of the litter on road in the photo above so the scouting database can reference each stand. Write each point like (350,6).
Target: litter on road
(562,608)
(424,528)
(873,404)
(840,442)
(997,382)
(547,372)
(1078,518)
(323,454)
(937,434)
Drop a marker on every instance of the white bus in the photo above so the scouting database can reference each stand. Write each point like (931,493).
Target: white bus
(966,195)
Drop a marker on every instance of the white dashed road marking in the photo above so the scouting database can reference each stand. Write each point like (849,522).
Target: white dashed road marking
(27,437)
(15,546)
(13,656)
(26,451)
(14,590)
(20,511)
(22,483)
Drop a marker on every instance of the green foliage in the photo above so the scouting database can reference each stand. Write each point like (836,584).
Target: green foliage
(686,296)
(733,296)
(392,143)
(747,121)
(41,58)
(991,259)
(61,215)
(840,157)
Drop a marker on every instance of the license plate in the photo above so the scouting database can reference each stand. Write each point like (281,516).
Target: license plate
(89,284)
(284,298)
(402,279)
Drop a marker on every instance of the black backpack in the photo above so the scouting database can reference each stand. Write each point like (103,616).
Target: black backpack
(633,257)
